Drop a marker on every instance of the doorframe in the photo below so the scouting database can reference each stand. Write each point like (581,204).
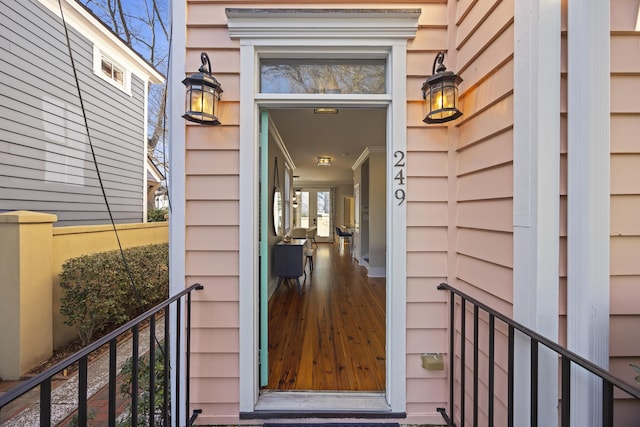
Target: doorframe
(366,33)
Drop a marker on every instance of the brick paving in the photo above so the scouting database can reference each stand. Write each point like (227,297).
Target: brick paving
(24,412)
(98,407)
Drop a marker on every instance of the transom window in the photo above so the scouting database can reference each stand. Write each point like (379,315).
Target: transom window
(345,76)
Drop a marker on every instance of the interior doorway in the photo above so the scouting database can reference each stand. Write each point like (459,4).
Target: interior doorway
(331,336)
(316,211)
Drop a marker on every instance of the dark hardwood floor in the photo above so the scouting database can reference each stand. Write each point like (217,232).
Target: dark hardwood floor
(332,337)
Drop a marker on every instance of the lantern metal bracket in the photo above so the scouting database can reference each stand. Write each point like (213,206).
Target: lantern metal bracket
(439,61)
(204,58)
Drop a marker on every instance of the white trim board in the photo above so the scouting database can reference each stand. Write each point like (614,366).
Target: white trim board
(588,200)
(536,195)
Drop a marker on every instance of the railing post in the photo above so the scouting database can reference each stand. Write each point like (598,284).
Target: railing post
(113,372)
(463,355)
(152,371)
(82,391)
(45,403)
(534,383)
(566,391)
(177,359)
(511,376)
(452,355)
(167,366)
(607,403)
(492,357)
(134,376)
(475,364)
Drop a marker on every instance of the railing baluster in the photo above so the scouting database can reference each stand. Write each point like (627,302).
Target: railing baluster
(152,371)
(167,367)
(177,359)
(187,364)
(607,403)
(475,365)
(188,361)
(510,378)
(45,403)
(534,383)
(566,391)
(463,355)
(82,392)
(492,358)
(113,372)
(134,377)
(452,354)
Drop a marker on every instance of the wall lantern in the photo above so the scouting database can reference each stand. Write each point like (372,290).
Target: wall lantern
(440,92)
(203,95)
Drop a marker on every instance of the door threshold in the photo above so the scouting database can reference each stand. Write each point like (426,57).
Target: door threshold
(319,404)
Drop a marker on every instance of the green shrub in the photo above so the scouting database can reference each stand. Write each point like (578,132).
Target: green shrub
(97,292)
(157,215)
(143,389)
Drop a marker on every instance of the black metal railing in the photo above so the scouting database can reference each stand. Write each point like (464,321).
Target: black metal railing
(536,341)
(157,398)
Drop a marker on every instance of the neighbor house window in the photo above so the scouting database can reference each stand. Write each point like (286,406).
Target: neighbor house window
(111,70)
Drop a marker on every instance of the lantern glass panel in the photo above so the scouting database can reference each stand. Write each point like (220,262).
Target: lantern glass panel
(194,99)
(208,101)
(436,97)
(449,95)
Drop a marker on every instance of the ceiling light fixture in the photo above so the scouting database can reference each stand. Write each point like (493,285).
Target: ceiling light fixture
(324,161)
(325,110)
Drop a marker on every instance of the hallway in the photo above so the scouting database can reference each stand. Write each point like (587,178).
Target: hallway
(332,337)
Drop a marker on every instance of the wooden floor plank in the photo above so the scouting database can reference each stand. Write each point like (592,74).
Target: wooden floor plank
(332,337)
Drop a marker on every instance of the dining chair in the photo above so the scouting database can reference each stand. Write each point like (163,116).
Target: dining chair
(343,236)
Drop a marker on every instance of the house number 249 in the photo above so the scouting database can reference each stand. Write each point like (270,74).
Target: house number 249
(399,166)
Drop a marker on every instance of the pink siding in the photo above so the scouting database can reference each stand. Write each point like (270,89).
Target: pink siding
(459,198)
(212,212)
(625,202)
(482,177)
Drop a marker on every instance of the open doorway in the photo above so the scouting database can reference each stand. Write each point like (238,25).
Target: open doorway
(330,334)
(316,211)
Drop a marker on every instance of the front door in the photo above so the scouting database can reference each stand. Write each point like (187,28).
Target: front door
(332,36)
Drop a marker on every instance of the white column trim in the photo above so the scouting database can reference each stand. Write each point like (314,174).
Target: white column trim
(588,199)
(536,197)
(249,248)
(177,180)
(396,235)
